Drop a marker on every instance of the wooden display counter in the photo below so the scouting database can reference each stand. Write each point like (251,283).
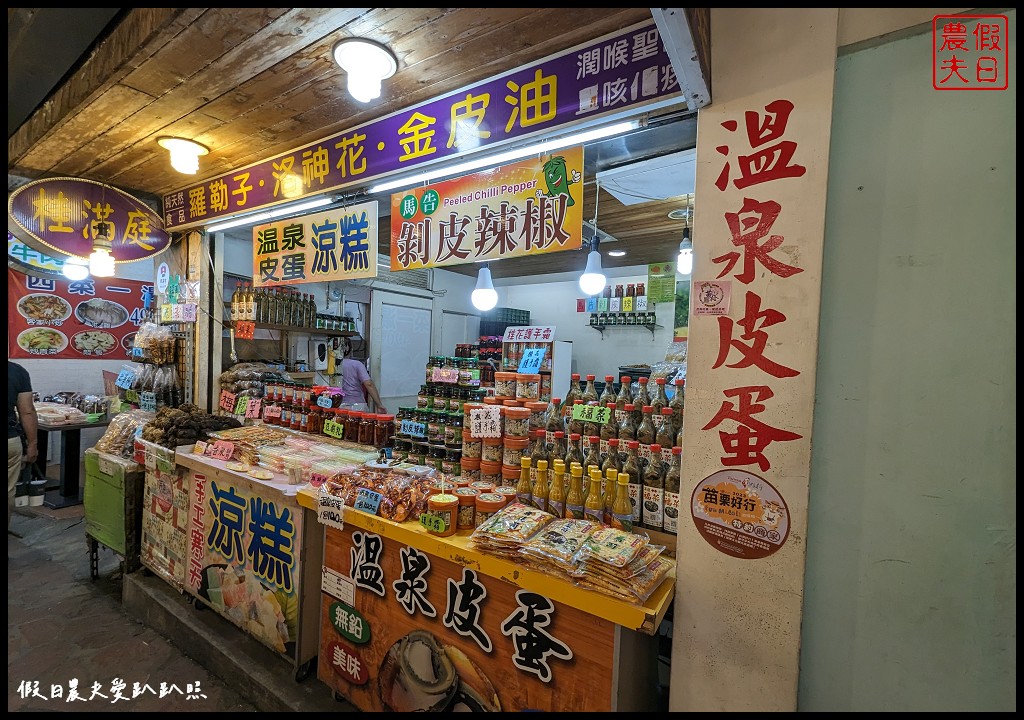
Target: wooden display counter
(412,621)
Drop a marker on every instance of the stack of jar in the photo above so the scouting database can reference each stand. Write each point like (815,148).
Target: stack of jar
(296,408)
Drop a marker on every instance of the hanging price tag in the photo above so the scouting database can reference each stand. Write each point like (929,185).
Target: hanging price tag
(131,396)
(485,422)
(368,501)
(137,352)
(334,429)
(432,522)
(532,358)
(591,304)
(244,329)
(640,303)
(271,411)
(147,401)
(220,450)
(125,378)
(324,401)
(416,429)
(252,408)
(591,413)
(627,304)
(165,313)
(227,401)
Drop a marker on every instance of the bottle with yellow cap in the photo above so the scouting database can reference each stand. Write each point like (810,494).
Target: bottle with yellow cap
(576,497)
(539,494)
(622,508)
(593,507)
(610,492)
(524,491)
(556,493)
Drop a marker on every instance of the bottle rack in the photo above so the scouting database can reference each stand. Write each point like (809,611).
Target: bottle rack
(649,326)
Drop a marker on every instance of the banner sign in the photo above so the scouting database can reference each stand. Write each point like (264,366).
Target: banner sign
(243,556)
(64,214)
(328,246)
(526,208)
(661,282)
(32,262)
(88,319)
(616,75)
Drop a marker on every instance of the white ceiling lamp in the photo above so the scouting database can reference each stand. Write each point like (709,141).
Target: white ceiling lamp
(367,63)
(101,262)
(540,148)
(484,297)
(184,153)
(75,268)
(616,253)
(270,214)
(592,281)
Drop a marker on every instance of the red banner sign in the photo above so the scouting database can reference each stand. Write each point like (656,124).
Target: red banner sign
(89,319)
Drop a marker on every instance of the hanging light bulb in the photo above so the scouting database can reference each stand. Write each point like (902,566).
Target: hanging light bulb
(184,153)
(75,268)
(592,281)
(366,63)
(484,297)
(101,262)
(684,264)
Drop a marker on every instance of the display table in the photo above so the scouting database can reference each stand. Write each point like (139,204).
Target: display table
(249,548)
(397,599)
(70,490)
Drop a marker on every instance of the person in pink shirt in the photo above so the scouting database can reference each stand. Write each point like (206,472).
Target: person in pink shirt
(356,383)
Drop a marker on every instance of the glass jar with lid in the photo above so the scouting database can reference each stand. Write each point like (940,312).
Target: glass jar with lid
(366,428)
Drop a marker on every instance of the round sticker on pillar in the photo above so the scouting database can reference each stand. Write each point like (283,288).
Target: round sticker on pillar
(740,514)
(163,278)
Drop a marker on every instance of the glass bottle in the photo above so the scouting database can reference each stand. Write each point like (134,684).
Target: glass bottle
(589,393)
(235,303)
(540,452)
(539,491)
(672,491)
(574,453)
(558,490)
(576,496)
(677,403)
(612,461)
(625,397)
(610,429)
(593,505)
(660,398)
(652,515)
(524,489)
(590,428)
(593,456)
(608,392)
(622,512)
(646,432)
(611,481)
(575,425)
(553,420)
(570,397)
(665,436)
(642,398)
(558,447)
(632,467)
(628,426)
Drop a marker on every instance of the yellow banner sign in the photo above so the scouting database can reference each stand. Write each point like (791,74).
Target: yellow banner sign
(338,244)
(525,208)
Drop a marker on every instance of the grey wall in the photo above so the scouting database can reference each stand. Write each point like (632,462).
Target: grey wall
(911,578)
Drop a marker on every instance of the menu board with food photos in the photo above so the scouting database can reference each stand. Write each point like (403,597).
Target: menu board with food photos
(91,319)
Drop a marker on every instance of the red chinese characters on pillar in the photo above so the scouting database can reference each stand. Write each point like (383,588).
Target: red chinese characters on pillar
(746,444)
(768,163)
(745,341)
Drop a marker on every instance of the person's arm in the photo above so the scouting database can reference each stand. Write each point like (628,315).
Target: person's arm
(371,390)
(30,422)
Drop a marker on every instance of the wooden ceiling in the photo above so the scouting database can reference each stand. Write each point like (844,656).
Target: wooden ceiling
(251,83)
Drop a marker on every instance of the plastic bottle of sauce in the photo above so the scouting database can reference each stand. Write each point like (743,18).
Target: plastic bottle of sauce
(593,507)
(622,511)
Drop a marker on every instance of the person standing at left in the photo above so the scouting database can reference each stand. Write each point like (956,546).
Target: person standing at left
(22,428)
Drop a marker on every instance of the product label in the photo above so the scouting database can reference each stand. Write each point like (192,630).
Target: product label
(591,413)
(331,511)
(635,497)
(594,515)
(227,400)
(556,508)
(221,450)
(334,429)
(466,516)
(622,522)
(653,516)
(671,524)
(575,512)
(644,451)
(368,501)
